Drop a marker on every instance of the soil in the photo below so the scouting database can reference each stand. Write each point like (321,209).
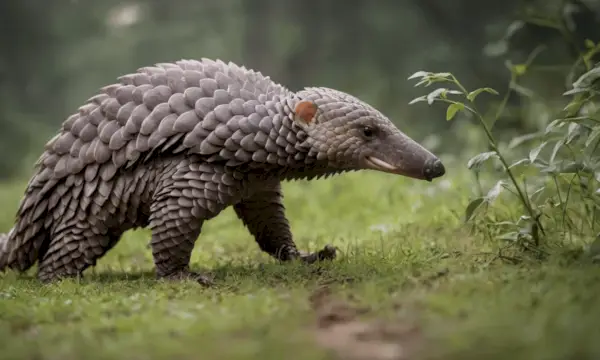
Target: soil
(346,330)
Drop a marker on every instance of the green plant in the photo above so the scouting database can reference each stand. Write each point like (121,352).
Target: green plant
(557,182)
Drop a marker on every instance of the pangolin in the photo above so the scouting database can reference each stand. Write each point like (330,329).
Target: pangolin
(171,145)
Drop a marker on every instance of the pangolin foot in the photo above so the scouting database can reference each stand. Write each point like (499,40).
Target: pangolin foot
(327,253)
(201,278)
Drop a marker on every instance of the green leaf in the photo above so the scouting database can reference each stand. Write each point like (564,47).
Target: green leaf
(558,123)
(589,44)
(435,93)
(473,94)
(443,74)
(419,74)
(512,29)
(585,81)
(519,69)
(479,159)
(472,207)
(574,91)
(425,80)
(509,236)
(565,167)
(519,162)
(453,109)
(495,191)
(533,154)
(573,107)
(593,135)
(557,147)
(416,100)
(574,130)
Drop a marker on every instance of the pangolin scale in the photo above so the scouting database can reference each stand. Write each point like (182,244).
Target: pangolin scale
(171,145)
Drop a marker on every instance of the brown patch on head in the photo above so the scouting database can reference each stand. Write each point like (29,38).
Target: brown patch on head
(341,331)
(305,112)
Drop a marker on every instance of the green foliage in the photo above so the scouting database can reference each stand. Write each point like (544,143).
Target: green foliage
(59,53)
(557,182)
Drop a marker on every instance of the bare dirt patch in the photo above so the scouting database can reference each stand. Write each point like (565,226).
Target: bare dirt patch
(345,329)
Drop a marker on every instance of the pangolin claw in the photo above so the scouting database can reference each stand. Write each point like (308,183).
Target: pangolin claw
(200,278)
(329,252)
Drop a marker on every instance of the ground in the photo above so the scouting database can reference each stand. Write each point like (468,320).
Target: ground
(411,282)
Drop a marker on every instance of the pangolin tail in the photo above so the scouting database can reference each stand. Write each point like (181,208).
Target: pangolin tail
(20,247)
(4,249)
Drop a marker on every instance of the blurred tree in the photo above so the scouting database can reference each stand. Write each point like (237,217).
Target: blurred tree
(54,54)
(29,88)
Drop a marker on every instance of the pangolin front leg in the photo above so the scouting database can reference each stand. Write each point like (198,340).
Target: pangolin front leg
(173,238)
(263,213)
(194,194)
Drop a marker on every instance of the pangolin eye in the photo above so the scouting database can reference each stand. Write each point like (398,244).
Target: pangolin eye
(368,132)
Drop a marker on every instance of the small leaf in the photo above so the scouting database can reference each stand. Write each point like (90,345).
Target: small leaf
(574,91)
(435,93)
(558,123)
(519,69)
(557,147)
(441,76)
(593,135)
(419,74)
(533,154)
(538,191)
(597,176)
(472,207)
(426,81)
(453,109)
(589,44)
(502,223)
(513,28)
(495,191)
(473,94)
(574,130)
(510,236)
(478,159)
(585,81)
(565,167)
(572,107)
(519,162)
(416,100)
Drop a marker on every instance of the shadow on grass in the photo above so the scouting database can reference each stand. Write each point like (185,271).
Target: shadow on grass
(265,274)
(403,269)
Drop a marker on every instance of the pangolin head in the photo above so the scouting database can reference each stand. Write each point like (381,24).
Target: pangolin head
(348,133)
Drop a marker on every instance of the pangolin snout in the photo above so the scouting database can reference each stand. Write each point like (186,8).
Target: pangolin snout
(433,168)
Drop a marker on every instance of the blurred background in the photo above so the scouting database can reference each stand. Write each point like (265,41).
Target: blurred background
(55,54)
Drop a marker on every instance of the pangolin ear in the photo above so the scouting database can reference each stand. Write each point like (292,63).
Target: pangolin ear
(305,113)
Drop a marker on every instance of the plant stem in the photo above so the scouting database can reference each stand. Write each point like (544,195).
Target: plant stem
(494,147)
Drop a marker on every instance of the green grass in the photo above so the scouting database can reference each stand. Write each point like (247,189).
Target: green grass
(394,236)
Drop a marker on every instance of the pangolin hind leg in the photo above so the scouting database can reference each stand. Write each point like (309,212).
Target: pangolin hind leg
(74,250)
(263,213)
(90,221)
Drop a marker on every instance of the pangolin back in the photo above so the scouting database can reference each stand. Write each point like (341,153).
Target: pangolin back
(202,106)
